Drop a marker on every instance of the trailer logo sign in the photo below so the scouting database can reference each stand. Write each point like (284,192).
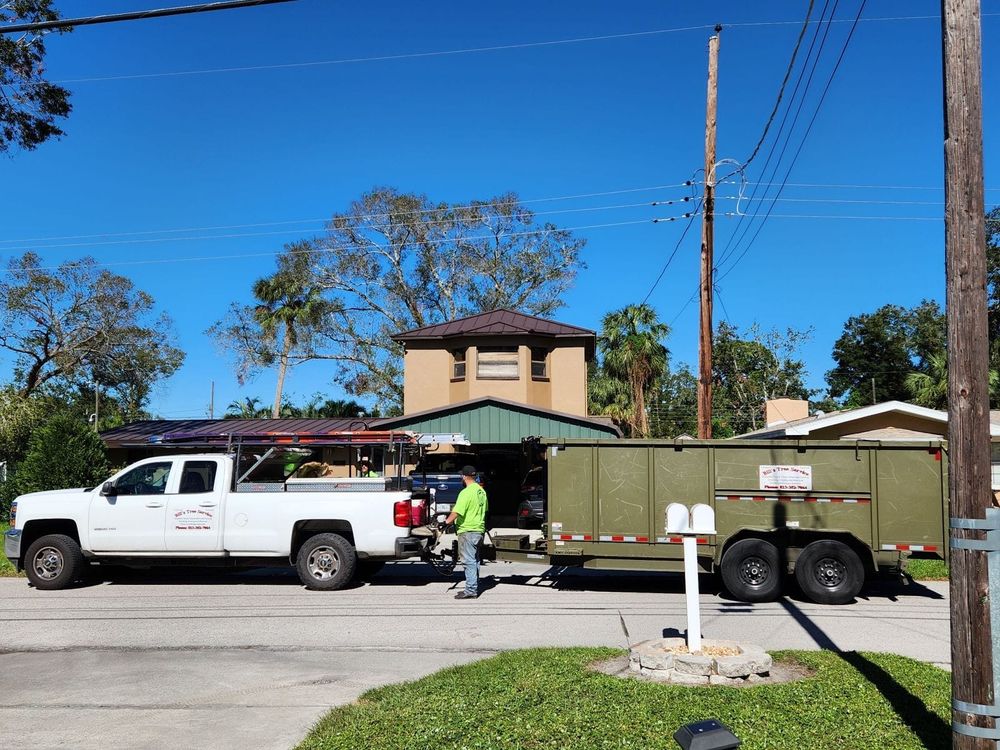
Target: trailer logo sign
(786,478)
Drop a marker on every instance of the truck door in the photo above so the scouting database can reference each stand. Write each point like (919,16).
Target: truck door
(194,507)
(131,519)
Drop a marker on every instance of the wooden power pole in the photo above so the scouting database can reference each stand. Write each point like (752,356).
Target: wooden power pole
(707,247)
(973,699)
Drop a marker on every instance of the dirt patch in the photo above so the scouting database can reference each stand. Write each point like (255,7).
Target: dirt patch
(707,650)
(786,670)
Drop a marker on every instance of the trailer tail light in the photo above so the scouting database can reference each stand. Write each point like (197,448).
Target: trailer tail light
(418,512)
(402,513)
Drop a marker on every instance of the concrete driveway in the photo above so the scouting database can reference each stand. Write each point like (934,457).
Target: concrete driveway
(251,660)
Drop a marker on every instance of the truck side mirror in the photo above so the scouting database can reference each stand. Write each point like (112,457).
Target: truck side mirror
(108,489)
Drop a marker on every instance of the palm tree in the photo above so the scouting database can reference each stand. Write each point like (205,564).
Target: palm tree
(319,408)
(290,307)
(930,388)
(632,358)
(248,408)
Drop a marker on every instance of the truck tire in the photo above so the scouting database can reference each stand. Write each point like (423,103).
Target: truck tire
(751,571)
(326,562)
(54,562)
(368,569)
(829,572)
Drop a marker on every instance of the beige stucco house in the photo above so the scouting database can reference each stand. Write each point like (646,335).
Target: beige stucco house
(501,354)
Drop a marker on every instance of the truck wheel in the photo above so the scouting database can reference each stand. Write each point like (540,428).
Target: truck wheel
(368,569)
(751,571)
(829,572)
(326,562)
(53,562)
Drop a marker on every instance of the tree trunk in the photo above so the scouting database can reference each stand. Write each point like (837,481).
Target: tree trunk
(286,347)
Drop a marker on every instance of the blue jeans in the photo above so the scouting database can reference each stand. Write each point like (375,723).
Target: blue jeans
(468,545)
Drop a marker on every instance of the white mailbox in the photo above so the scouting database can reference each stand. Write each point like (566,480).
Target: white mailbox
(678,519)
(691,523)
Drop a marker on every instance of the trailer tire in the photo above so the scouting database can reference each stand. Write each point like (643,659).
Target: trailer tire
(326,562)
(829,572)
(53,562)
(751,571)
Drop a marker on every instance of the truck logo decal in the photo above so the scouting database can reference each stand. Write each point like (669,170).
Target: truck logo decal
(193,519)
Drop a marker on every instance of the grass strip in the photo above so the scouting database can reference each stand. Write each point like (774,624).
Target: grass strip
(548,698)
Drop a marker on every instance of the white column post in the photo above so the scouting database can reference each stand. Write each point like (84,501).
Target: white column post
(691,593)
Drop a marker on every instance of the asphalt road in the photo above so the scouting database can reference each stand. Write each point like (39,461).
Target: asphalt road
(251,660)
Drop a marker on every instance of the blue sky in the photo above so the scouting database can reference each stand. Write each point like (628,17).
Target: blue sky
(295,144)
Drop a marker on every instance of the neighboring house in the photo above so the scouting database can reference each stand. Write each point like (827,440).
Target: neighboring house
(891,420)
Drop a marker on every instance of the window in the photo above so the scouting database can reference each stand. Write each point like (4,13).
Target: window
(497,363)
(148,479)
(539,363)
(458,364)
(198,476)
(995,455)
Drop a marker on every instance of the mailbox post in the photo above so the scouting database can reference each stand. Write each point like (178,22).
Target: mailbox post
(690,524)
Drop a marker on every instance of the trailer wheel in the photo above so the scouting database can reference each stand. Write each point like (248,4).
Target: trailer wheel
(751,571)
(54,562)
(326,562)
(829,572)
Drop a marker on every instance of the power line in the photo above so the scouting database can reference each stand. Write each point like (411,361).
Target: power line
(670,259)
(367,216)
(136,15)
(469,50)
(846,186)
(805,136)
(834,216)
(784,82)
(240,235)
(321,249)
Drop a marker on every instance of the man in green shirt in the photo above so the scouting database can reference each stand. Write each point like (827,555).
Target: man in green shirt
(470,512)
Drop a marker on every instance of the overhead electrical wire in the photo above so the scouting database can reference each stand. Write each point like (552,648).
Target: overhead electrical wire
(673,254)
(471,50)
(802,142)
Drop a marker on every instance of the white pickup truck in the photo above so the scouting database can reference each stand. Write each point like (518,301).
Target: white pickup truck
(195,509)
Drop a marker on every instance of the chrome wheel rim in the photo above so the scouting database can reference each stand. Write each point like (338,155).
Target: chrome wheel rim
(48,563)
(754,571)
(830,572)
(323,563)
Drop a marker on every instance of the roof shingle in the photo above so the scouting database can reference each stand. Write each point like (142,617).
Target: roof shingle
(501,322)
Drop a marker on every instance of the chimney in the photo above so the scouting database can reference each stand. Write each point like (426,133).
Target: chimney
(779,410)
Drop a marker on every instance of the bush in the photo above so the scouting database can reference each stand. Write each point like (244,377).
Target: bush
(63,452)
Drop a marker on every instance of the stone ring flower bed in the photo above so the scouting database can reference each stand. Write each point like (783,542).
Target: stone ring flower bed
(718,662)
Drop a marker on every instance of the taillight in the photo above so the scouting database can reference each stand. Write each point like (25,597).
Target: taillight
(418,512)
(13,514)
(402,513)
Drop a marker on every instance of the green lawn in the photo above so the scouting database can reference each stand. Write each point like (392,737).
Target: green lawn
(6,569)
(547,698)
(928,570)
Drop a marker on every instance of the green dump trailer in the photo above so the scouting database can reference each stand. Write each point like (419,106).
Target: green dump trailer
(831,512)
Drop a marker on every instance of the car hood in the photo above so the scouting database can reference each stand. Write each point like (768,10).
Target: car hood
(52,494)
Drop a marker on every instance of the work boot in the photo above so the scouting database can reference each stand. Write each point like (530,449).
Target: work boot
(465,595)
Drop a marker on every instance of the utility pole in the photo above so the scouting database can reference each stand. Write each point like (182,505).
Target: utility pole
(211,401)
(973,694)
(707,246)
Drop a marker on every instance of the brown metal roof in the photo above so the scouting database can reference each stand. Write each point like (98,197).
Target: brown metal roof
(501,322)
(152,431)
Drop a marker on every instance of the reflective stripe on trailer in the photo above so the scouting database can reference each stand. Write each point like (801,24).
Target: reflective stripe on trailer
(573,537)
(782,499)
(615,538)
(911,547)
(678,540)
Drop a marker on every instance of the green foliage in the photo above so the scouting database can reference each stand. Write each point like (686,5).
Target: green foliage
(547,698)
(886,346)
(396,261)
(927,570)
(673,404)
(64,451)
(749,369)
(282,325)
(77,326)
(29,105)
(632,358)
